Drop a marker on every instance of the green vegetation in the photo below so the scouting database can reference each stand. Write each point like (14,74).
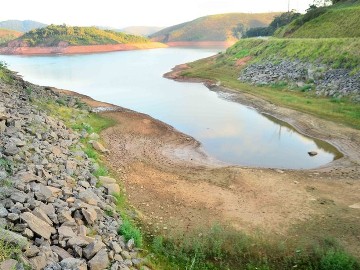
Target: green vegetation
(336,52)
(221,27)
(60,35)
(226,248)
(278,22)
(7,35)
(9,251)
(341,20)
(130,231)
(21,26)
(5,74)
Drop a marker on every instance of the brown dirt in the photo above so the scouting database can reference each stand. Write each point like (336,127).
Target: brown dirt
(80,49)
(175,186)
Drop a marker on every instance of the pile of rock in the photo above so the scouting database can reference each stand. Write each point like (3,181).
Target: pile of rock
(325,80)
(50,205)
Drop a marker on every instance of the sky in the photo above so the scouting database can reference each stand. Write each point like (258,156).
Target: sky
(120,13)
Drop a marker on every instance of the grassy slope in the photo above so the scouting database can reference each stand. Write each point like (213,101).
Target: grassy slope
(339,21)
(339,52)
(7,35)
(212,28)
(74,36)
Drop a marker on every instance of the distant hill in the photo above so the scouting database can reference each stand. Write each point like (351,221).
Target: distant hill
(21,26)
(338,21)
(61,35)
(7,35)
(141,30)
(221,27)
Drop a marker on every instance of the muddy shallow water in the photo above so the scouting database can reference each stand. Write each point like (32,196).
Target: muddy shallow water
(228,131)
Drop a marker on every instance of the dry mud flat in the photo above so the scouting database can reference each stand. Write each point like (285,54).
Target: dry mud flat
(175,186)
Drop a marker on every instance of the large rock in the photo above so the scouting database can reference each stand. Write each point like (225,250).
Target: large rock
(42,215)
(11,149)
(9,264)
(38,225)
(98,146)
(112,188)
(93,248)
(27,177)
(62,253)
(38,262)
(89,197)
(80,241)
(89,214)
(73,264)
(66,232)
(100,261)
(42,192)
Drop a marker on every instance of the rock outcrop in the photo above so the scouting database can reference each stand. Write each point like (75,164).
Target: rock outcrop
(325,80)
(50,203)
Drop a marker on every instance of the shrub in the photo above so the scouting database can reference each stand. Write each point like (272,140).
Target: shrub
(338,260)
(130,231)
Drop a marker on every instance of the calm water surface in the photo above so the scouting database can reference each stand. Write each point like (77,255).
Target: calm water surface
(228,131)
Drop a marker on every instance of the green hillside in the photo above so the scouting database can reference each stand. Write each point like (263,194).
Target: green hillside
(21,26)
(7,35)
(338,21)
(55,35)
(221,27)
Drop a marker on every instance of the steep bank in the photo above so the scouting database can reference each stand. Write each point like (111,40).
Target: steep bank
(57,210)
(80,49)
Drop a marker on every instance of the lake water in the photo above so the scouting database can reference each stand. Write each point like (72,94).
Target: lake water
(228,131)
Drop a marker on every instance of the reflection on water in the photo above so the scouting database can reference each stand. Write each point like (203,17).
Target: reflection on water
(228,131)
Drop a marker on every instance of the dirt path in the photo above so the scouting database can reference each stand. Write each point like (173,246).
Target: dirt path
(176,186)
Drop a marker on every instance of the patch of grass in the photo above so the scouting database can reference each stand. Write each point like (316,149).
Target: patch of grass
(101,171)
(109,212)
(6,165)
(9,251)
(130,231)
(306,88)
(338,260)
(225,248)
(28,91)
(91,152)
(5,73)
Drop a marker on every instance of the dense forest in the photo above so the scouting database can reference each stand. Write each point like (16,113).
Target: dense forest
(55,35)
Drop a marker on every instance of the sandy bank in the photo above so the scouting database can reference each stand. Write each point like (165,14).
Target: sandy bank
(80,49)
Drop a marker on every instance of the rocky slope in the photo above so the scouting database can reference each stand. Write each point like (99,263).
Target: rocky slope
(53,210)
(323,79)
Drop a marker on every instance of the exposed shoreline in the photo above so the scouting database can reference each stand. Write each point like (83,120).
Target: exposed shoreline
(168,178)
(79,49)
(345,139)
